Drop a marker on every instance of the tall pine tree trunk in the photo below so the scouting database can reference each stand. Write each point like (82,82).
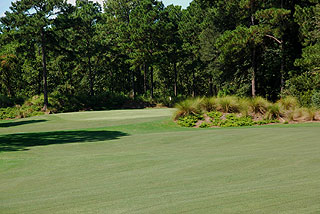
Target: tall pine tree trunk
(211,86)
(253,73)
(145,78)
(44,68)
(152,86)
(40,76)
(90,76)
(282,68)
(282,62)
(254,59)
(193,84)
(175,79)
(133,85)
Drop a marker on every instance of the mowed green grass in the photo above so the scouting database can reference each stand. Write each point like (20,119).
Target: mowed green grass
(138,161)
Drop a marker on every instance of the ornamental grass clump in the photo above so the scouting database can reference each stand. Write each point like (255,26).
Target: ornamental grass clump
(209,104)
(231,111)
(259,105)
(228,104)
(309,114)
(188,107)
(288,103)
(273,112)
(244,106)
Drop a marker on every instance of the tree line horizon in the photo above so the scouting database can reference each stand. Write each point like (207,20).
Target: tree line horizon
(143,48)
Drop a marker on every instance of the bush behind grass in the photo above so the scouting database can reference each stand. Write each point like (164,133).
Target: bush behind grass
(31,107)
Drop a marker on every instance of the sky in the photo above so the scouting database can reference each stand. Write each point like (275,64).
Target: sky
(5,4)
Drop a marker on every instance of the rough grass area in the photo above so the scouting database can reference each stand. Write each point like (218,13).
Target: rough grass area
(140,161)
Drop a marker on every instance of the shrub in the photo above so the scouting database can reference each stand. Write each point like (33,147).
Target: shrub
(5,101)
(169,101)
(205,125)
(228,104)
(259,105)
(215,117)
(188,107)
(233,120)
(316,99)
(303,87)
(188,121)
(266,121)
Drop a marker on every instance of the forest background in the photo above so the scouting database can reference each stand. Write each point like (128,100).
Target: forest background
(135,52)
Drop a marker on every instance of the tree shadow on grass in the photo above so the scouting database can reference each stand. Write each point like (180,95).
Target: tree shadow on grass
(19,123)
(21,142)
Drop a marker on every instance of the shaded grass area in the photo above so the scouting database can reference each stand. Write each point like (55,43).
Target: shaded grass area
(18,142)
(161,168)
(19,123)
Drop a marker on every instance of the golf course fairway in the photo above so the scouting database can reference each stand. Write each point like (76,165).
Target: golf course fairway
(140,161)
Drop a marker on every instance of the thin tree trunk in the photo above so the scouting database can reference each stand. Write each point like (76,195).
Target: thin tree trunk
(282,69)
(40,76)
(254,63)
(133,85)
(151,73)
(193,84)
(253,74)
(282,62)
(175,79)
(145,78)
(211,86)
(90,76)
(44,67)
(8,83)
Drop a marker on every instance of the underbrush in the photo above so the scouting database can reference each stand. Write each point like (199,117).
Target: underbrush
(31,107)
(232,111)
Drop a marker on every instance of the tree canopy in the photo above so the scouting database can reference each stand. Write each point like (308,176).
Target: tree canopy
(141,48)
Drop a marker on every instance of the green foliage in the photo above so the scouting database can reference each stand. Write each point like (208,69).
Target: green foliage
(205,125)
(233,120)
(5,101)
(188,121)
(303,86)
(141,49)
(215,115)
(266,121)
(31,107)
(167,101)
(316,99)
(103,101)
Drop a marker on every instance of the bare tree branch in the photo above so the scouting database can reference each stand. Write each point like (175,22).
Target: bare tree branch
(272,37)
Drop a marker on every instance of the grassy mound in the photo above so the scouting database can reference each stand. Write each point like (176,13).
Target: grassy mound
(231,111)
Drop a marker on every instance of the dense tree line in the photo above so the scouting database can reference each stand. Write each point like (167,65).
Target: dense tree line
(140,48)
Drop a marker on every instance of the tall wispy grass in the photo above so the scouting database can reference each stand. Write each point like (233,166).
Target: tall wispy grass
(228,104)
(286,109)
(188,107)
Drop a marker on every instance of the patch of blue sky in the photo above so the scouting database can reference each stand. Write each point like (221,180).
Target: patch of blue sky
(5,4)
